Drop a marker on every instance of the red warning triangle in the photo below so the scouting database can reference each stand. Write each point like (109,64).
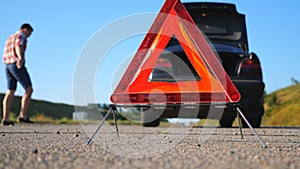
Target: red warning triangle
(157,75)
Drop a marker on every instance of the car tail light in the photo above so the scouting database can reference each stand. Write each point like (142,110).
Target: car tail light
(250,67)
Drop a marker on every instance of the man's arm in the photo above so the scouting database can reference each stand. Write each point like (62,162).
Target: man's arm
(20,53)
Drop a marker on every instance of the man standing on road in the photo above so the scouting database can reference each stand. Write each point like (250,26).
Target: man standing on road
(14,58)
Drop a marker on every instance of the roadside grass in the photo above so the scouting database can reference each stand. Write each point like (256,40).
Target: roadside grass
(207,122)
(42,119)
(282,107)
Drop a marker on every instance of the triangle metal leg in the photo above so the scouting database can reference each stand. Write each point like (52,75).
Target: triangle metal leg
(111,110)
(245,119)
(116,124)
(240,124)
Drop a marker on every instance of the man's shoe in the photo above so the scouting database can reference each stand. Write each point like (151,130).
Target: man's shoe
(7,123)
(24,120)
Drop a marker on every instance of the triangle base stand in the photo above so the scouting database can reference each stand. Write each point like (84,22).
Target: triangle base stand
(112,110)
(241,115)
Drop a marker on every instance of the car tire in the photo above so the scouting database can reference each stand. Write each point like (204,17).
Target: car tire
(255,122)
(254,116)
(154,123)
(150,118)
(227,119)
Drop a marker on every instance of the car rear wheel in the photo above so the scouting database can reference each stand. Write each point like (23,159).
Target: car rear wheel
(150,118)
(253,114)
(153,123)
(254,121)
(227,119)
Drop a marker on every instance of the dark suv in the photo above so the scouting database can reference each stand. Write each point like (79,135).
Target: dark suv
(226,30)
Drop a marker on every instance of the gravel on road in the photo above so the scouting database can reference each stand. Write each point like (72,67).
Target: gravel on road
(64,146)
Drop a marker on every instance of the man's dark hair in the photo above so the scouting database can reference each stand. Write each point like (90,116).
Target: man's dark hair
(27,26)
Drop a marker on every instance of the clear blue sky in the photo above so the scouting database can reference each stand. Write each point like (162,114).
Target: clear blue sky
(62,28)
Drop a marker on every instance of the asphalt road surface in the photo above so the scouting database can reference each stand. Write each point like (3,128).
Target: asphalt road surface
(64,146)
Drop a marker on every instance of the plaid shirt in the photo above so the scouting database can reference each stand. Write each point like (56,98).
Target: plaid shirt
(9,54)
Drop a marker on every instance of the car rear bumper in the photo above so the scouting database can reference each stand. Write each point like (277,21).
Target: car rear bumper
(251,100)
(250,89)
(252,92)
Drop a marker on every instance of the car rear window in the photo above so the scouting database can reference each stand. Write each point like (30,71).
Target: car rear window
(173,66)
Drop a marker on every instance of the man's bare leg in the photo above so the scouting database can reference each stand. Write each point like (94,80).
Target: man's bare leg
(7,101)
(25,102)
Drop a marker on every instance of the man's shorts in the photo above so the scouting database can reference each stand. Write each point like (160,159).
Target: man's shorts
(14,75)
